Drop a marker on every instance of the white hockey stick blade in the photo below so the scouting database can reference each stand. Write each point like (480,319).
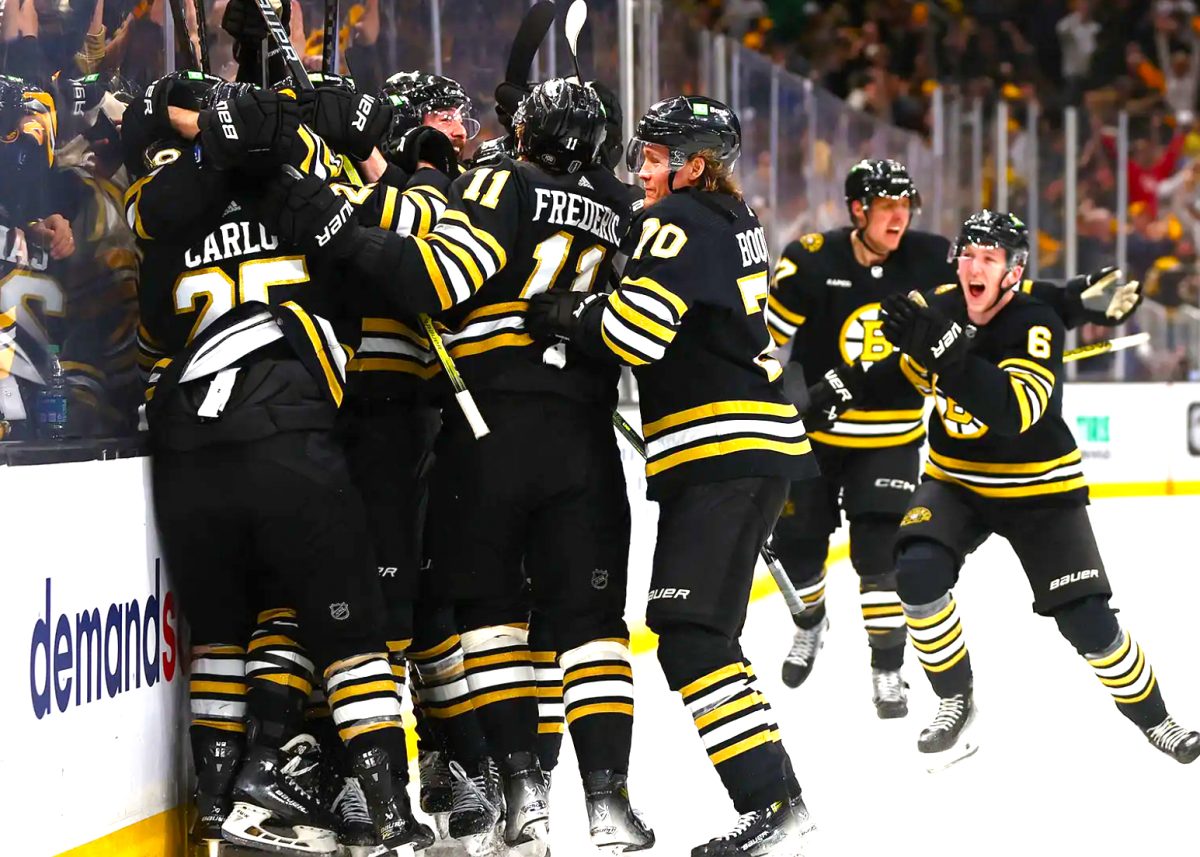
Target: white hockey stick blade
(576,18)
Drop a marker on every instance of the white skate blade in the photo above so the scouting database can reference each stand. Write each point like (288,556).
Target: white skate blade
(966,746)
(245,826)
(538,846)
(441,824)
(405,850)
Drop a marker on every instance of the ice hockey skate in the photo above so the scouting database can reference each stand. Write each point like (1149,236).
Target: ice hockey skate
(355,830)
(890,694)
(615,827)
(800,659)
(473,822)
(218,766)
(436,796)
(400,834)
(526,800)
(276,806)
(948,739)
(1180,744)
(780,830)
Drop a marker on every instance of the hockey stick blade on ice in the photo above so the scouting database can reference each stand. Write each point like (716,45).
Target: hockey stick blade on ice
(790,596)
(576,18)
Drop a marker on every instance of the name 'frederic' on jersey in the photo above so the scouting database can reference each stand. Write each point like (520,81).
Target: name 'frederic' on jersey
(244,238)
(562,208)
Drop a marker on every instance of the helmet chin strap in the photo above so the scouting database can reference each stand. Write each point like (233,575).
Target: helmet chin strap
(1003,290)
(861,232)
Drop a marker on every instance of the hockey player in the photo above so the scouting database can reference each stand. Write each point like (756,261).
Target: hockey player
(1002,460)
(552,219)
(825,301)
(433,101)
(248,378)
(722,441)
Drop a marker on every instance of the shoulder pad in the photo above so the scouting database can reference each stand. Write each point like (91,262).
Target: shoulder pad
(949,287)
(812,242)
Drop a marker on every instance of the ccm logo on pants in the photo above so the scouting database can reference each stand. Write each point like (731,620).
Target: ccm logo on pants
(1074,577)
(898,484)
(670,592)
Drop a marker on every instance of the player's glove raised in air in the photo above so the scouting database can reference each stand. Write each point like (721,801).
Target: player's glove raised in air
(244,21)
(304,211)
(832,396)
(351,122)
(426,144)
(922,332)
(556,314)
(254,131)
(1102,298)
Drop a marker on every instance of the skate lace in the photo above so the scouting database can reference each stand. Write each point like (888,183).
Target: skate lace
(745,821)
(1168,735)
(889,687)
(433,769)
(949,712)
(804,645)
(351,803)
(469,793)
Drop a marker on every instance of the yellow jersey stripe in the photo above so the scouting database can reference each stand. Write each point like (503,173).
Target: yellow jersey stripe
(659,290)
(727,447)
(718,409)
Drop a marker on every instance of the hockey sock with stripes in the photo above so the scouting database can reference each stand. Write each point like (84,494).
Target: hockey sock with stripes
(937,635)
(280,676)
(499,672)
(598,700)
(443,700)
(883,617)
(1125,672)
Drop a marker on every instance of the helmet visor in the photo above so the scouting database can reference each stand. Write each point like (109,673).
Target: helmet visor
(450,115)
(635,155)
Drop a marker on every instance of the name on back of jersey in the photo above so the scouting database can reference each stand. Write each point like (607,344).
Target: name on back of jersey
(563,208)
(753,244)
(18,252)
(229,240)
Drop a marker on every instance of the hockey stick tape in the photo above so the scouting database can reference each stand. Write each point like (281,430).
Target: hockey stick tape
(470,410)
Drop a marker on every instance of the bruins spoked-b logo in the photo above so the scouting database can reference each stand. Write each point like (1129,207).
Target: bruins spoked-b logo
(958,421)
(916,515)
(862,336)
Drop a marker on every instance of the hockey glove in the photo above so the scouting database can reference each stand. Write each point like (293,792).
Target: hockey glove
(1101,298)
(245,23)
(508,98)
(254,131)
(833,395)
(923,332)
(351,122)
(426,144)
(146,118)
(556,314)
(305,212)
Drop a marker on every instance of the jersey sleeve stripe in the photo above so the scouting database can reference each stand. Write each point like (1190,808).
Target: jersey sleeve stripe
(428,190)
(319,347)
(486,237)
(649,305)
(660,291)
(1022,394)
(464,257)
(1030,366)
(452,234)
(630,339)
(435,275)
(783,312)
(615,348)
(916,375)
(390,195)
(461,282)
(634,316)
(786,268)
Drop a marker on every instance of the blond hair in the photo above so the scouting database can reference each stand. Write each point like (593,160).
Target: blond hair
(717,177)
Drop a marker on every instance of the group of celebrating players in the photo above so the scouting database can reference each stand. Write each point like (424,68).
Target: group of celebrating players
(321,269)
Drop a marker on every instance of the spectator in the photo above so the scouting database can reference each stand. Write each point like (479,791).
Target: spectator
(1077,34)
(1181,68)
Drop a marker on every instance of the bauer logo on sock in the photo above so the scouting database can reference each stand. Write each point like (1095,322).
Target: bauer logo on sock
(916,515)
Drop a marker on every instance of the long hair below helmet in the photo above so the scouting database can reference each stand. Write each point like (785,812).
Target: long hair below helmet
(688,125)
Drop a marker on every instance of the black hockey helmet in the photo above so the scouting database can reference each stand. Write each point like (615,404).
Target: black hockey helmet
(612,149)
(490,151)
(870,179)
(687,125)
(414,95)
(12,105)
(560,125)
(994,229)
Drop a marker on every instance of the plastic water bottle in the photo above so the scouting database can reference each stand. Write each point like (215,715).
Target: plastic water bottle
(52,400)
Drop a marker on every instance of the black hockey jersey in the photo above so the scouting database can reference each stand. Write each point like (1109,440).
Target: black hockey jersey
(827,304)
(394,358)
(997,428)
(511,231)
(689,318)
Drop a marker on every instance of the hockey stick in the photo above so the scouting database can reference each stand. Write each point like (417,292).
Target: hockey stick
(333,15)
(183,42)
(202,35)
(461,394)
(792,598)
(1120,343)
(534,26)
(576,18)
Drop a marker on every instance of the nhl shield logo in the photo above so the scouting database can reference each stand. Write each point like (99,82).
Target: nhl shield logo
(340,611)
(916,515)
(600,578)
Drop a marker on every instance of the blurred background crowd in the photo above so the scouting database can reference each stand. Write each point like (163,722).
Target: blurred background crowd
(1079,115)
